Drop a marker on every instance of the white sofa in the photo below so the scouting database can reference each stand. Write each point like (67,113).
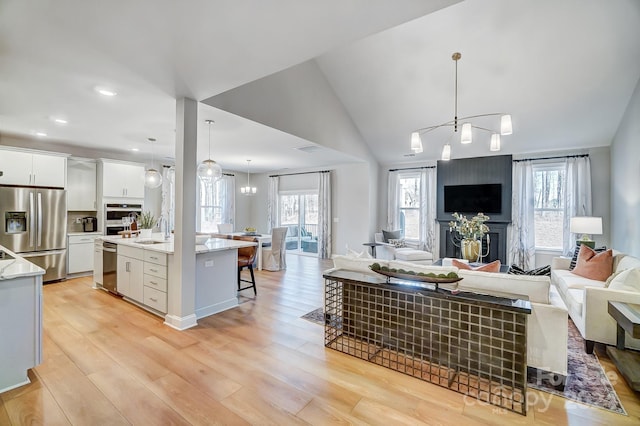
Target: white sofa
(587,300)
(388,251)
(547,326)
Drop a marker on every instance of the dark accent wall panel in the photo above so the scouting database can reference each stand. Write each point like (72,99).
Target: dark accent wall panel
(473,171)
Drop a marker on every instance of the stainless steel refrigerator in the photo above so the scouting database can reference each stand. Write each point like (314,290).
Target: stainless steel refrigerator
(35,226)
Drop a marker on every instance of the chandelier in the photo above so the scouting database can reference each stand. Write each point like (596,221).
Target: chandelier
(465,124)
(209,169)
(248,190)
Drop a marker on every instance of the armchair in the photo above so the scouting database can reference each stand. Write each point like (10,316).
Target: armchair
(388,251)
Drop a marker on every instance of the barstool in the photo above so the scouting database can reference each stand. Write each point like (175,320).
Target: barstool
(246,258)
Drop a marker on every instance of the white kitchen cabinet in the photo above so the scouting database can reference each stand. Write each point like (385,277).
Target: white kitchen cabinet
(155,280)
(122,180)
(80,253)
(31,169)
(81,185)
(131,272)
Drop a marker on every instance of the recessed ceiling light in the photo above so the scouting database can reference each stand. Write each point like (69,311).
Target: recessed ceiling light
(105,91)
(135,149)
(41,134)
(59,120)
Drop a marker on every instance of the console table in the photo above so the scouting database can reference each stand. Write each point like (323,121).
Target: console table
(470,343)
(627,316)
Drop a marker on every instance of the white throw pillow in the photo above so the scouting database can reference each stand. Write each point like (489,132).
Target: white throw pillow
(628,280)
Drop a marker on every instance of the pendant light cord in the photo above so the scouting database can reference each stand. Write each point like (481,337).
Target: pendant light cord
(455,58)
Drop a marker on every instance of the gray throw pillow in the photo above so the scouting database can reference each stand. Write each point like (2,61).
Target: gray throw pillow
(391,235)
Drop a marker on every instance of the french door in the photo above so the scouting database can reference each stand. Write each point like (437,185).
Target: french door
(299,213)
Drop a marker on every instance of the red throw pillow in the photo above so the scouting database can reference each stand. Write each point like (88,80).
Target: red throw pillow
(594,265)
(489,267)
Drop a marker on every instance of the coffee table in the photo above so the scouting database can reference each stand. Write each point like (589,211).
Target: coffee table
(627,316)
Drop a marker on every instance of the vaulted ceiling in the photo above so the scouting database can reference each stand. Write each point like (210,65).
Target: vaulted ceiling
(564,69)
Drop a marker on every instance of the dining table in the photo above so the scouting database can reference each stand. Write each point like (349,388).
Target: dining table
(263,239)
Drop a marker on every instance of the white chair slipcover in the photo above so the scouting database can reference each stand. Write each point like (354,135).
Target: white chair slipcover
(274,257)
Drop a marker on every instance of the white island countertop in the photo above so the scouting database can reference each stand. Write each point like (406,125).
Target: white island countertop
(162,246)
(17,267)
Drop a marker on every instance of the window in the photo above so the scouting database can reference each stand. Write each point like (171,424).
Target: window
(212,195)
(409,205)
(549,205)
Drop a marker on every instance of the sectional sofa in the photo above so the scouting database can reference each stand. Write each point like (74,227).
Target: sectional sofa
(547,326)
(587,299)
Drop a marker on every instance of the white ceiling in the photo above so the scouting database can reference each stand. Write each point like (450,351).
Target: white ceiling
(565,70)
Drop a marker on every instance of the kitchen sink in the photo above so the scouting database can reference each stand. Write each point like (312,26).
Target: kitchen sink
(146,242)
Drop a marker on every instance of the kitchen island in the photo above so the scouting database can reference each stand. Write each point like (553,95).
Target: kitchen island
(20,319)
(148,276)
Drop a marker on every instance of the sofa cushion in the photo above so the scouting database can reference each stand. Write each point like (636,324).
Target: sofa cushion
(628,280)
(566,279)
(489,267)
(409,254)
(622,262)
(574,300)
(576,252)
(391,235)
(536,287)
(516,270)
(594,265)
(358,264)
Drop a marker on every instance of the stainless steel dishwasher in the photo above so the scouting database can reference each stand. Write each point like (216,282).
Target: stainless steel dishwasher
(110,266)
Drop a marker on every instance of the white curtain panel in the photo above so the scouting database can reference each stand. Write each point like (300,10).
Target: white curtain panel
(393,221)
(428,209)
(229,198)
(168,209)
(272,202)
(324,215)
(577,197)
(523,242)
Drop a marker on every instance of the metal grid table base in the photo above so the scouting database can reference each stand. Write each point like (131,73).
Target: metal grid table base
(475,350)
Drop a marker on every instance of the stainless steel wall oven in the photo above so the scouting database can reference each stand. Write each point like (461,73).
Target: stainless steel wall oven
(113,214)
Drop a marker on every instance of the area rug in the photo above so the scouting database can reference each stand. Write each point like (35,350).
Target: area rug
(587,382)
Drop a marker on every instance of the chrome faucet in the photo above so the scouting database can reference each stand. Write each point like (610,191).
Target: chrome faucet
(164,222)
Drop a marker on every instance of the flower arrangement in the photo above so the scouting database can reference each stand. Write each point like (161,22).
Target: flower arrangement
(146,220)
(473,229)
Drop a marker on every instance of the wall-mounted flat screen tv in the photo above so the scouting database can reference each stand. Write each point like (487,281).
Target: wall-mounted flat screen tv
(474,199)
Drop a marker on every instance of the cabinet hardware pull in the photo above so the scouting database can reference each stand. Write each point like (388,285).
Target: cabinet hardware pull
(153,270)
(153,299)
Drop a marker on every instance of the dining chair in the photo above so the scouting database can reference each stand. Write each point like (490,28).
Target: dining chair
(274,258)
(225,228)
(246,259)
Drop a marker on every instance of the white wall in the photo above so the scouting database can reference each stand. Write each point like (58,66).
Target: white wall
(352,192)
(625,180)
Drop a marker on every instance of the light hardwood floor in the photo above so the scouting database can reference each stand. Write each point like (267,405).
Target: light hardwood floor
(107,362)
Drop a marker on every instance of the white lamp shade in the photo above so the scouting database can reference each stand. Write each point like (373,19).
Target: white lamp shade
(586,225)
(248,190)
(446,152)
(505,125)
(209,169)
(152,178)
(495,142)
(466,136)
(416,142)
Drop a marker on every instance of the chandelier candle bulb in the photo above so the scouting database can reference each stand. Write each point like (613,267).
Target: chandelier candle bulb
(505,125)
(416,142)
(466,136)
(495,142)
(446,152)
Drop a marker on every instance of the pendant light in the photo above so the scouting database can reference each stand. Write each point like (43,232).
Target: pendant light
(152,178)
(248,190)
(209,169)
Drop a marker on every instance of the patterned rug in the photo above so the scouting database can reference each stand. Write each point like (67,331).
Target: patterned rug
(587,382)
